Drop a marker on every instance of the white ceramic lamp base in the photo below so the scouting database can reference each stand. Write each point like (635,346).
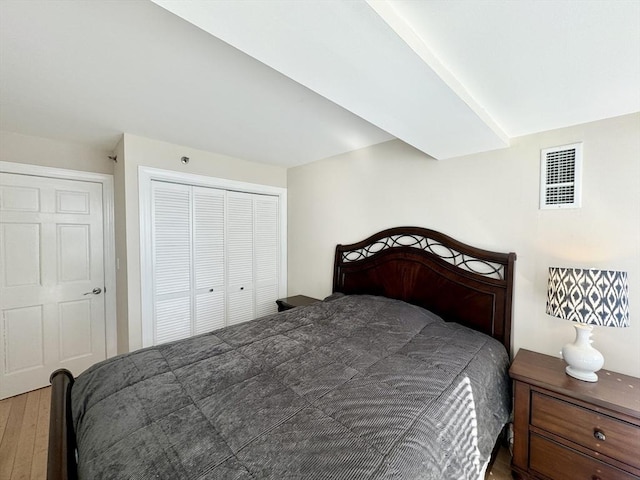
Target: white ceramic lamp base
(583,361)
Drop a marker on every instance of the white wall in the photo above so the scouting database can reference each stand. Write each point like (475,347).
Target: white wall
(488,200)
(152,153)
(15,147)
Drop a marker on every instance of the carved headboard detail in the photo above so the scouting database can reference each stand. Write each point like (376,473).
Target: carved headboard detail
(461,283)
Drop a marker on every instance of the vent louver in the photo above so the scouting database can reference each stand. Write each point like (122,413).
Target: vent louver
(561,169)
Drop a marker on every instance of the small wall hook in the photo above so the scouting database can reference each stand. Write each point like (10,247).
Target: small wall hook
(184,160)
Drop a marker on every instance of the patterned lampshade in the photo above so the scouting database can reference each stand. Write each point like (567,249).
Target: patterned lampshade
(594,297)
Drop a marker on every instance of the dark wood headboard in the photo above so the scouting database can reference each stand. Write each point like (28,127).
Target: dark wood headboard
(461,283)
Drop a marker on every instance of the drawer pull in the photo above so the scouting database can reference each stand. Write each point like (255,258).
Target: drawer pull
(599,434)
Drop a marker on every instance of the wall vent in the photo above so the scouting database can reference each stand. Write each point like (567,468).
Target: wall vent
(561,177)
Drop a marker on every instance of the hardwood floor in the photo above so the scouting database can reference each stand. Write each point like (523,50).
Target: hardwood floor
(501,467)
(24,436)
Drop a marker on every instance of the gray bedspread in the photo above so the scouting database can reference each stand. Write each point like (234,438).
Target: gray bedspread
(354,388)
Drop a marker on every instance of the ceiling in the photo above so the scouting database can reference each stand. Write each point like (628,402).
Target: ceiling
(288,82)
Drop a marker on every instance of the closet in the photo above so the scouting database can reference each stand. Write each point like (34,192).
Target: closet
(215,258)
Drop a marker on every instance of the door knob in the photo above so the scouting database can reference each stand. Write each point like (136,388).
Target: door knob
(95,291)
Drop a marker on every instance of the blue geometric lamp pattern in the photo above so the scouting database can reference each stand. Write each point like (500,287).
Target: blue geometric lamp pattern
(590,296)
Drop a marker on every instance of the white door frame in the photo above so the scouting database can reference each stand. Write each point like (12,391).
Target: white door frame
(111,337)
(145,176)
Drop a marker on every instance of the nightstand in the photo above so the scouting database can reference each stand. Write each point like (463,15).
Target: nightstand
(296,301)
(566,429)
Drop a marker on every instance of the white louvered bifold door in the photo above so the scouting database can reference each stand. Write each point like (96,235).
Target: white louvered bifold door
(208,249)
(216,258)
(171,240)
(267,258)
(240,306)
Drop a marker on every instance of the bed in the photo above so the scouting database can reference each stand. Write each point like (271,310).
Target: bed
(400,373)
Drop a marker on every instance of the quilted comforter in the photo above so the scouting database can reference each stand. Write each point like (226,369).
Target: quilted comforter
(356,387)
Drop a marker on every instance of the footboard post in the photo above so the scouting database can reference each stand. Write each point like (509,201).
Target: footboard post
(61,462)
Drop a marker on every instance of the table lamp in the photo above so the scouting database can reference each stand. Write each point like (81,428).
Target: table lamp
(587,297)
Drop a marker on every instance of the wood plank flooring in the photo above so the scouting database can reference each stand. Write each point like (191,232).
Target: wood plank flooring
(501,467)
(24,437)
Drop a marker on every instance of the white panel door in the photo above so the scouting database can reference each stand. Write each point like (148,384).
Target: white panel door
(171,240)
(240,263)
(208,248)
(51,281)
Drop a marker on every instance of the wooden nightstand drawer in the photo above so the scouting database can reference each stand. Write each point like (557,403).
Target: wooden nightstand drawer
(561,463)
(556,417)
(583,426)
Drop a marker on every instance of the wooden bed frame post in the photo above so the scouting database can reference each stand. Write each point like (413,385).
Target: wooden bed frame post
(61,462)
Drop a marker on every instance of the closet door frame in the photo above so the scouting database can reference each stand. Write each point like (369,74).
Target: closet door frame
(148,174)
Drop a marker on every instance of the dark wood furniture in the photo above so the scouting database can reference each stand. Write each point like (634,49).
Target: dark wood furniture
(288,303)
(61,460)
(565,428)
(461,283)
